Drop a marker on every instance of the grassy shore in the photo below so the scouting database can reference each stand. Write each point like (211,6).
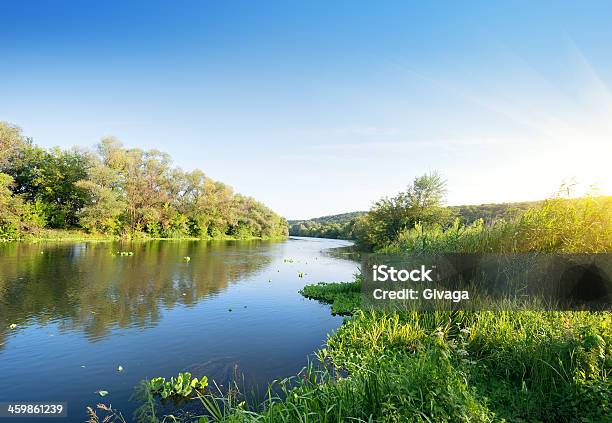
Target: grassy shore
(474,366)
(79,235)
(521,366)
(444,367)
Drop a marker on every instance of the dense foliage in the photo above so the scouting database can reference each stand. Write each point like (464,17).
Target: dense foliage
(490,213)
(421,203)
(345,225)
(559,224)
(582,225)
(339,226)
(119,191)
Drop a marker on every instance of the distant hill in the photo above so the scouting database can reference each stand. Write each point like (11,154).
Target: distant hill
(337,226)
(335,218)
(342,225)
(491,212)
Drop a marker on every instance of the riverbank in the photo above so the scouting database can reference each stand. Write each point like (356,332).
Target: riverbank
(447,366)
(71,235)
(435,366)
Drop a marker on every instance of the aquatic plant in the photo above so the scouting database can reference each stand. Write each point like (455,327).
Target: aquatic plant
(344,297)
(183,385)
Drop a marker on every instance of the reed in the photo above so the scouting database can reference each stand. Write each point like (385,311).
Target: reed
(559,225)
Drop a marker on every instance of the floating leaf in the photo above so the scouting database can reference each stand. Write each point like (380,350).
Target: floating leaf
(203,382)
(181,385)
(157,384)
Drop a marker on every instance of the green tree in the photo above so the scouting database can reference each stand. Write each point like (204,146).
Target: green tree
(422,203)
(11,142)
(9,209)
(49,177)
(17,217)
(120,191)
(104,204)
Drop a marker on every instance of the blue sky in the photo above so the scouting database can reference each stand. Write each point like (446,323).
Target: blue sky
(318,108)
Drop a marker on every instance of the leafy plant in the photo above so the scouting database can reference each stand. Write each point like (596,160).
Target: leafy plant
(182,385)
(344,297)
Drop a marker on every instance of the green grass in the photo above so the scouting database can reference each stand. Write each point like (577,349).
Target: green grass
(518,366)
(448,367)
(391,366)
(344,297)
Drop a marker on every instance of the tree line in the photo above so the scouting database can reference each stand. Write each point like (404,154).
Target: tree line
(339,226)
(417,220)
(347,225)
(118,191)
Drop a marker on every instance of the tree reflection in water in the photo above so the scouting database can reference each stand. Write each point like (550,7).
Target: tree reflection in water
(86,288)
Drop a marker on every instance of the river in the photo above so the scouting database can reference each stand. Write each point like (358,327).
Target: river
(72,313)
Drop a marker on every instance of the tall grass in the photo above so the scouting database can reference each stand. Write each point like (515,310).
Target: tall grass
(448,367)
(562,225)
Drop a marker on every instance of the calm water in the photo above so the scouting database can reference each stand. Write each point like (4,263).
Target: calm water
(81,312)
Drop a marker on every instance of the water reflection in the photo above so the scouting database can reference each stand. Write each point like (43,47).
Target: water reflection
(84,287)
